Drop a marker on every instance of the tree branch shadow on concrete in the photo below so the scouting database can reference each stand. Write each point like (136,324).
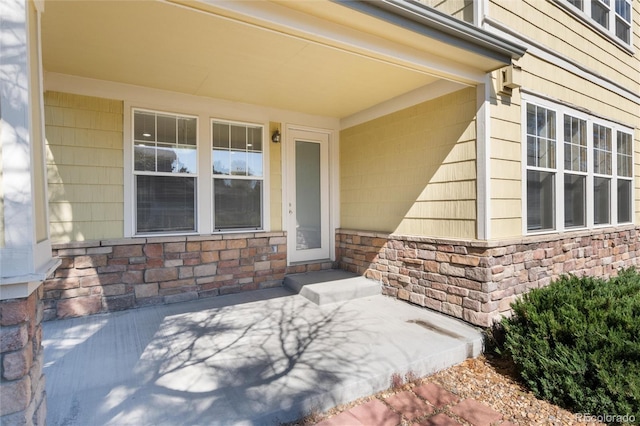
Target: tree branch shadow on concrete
(261,364)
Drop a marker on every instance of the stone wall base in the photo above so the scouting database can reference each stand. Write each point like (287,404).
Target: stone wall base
(113,275)
(22,383)
(478,280)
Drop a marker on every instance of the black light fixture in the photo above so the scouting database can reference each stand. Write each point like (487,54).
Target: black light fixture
(275,137)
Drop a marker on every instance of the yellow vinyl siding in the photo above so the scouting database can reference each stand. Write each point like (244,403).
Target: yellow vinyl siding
(413,172)
(551,25)
(461,9)
(541,77)
(275,175)
(84,167)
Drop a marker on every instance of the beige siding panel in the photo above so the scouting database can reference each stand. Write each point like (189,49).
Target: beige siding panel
(451,228)
(502,169)
(504,228)
(461,9)
(412,171)
(502,189)
(84,167)
(551,25)
(275,175)
(506,209)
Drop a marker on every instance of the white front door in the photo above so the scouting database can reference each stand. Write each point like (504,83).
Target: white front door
(308,196)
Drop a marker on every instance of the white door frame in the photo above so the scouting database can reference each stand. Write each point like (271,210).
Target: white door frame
(324,137)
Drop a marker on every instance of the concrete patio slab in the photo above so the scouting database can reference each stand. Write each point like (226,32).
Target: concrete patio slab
(263,357)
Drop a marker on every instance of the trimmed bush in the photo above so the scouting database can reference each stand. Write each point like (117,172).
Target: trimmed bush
(576,343)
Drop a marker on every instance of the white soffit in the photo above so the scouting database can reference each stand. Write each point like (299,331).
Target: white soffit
(253,56)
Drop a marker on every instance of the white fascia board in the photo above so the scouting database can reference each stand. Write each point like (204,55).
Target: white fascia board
(301,26)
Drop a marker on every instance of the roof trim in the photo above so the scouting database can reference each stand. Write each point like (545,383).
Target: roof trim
(434,24)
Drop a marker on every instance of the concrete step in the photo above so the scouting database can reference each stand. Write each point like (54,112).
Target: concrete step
(334,285)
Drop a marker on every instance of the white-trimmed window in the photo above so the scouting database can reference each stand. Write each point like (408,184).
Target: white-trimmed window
(165,172)
(238,175)
(612,16)
(577,177)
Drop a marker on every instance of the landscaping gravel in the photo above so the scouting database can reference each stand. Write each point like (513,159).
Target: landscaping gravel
(486,379)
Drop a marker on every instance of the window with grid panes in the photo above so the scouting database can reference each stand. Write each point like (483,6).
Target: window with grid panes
(612,16)
(238,177)
(165,172)
(596,159)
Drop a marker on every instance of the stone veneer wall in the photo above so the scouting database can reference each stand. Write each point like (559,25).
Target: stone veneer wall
(22,384)
(112,275)
(478,280)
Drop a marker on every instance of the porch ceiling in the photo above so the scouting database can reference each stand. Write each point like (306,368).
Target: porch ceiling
(211,52)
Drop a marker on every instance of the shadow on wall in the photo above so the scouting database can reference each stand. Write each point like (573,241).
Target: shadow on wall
(414,171)
(84,167)
(61,223)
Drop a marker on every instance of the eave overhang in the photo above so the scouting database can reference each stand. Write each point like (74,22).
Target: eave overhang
(437,25)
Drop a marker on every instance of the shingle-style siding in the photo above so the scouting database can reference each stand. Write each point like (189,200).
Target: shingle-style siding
(413,171)
(570,39)
(84,167)
(553,26)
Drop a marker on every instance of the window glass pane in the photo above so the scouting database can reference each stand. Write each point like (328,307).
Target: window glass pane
(167,128)
(254,163)
(574,200)
(577,3)
(176,160)
(165,203)
(239,137)
(600,13)
(221,162)
(540,200)
(625,157)
(624,201)
(623,30)
(237,203)
(623,8)
(254,141)
(541,134)
(602,149)
(601,200)
(144,127)
(575,143)
(238,163)
(144,158)
(220,134)
(187,131)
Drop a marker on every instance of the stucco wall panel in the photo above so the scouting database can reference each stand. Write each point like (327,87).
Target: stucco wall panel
(84,167)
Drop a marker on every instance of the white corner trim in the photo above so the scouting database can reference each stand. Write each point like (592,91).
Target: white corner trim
(406,100)
(483,160)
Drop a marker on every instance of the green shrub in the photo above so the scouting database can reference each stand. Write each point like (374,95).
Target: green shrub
(576,343)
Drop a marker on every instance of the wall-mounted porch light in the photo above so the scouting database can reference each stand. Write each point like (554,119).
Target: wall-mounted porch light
(275,137)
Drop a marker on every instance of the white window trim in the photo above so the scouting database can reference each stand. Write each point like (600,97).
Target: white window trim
(610,33)
(264,178)
(133,172)
(204,176)
(561,110)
